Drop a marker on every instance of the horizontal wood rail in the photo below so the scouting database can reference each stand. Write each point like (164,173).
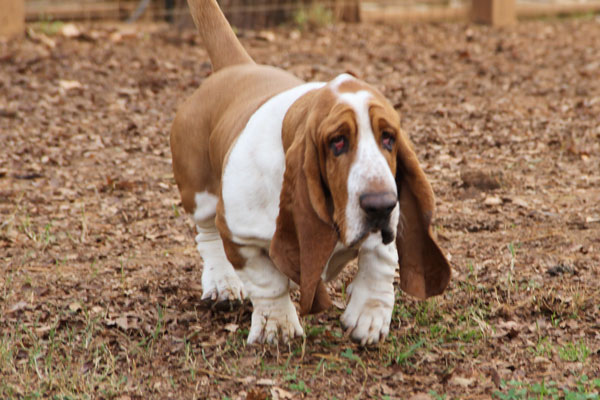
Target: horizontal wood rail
(372,12)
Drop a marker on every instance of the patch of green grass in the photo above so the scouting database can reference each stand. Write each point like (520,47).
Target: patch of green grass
(555,320)
(427,313)
(7,287)
(573,352)
(349,354)
(515,390)
(436,396)
(48,26)
(510,284)
(431,326)
(314,330)
(59,361)
(294,383)
(313,16)
(403,353)
(585,389)
(543,348)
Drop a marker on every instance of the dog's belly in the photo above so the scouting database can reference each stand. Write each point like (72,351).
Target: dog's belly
(253,174)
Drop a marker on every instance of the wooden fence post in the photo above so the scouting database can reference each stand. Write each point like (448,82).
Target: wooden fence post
(494,12)
(347,10)
(12,17)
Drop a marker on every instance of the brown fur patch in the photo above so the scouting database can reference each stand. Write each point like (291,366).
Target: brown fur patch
(208,123)
(232,250)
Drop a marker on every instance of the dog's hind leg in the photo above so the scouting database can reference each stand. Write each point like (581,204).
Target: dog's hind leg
(220,283)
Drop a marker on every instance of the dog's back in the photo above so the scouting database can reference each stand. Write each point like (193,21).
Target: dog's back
(208,123)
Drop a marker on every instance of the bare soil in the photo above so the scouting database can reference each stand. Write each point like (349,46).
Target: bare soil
(100,281)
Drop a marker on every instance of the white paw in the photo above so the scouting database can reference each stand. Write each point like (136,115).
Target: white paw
(368,315)
(274,318)
(222,286)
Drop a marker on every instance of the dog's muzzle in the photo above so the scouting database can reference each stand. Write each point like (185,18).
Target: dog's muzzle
(378,207)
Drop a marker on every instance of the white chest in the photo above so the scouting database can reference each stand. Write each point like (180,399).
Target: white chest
(253,175)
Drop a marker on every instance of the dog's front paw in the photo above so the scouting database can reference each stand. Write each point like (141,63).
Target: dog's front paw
(274,318)
(222,287)
(368,315)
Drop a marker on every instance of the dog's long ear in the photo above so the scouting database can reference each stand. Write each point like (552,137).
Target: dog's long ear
(424,271)
(305,235)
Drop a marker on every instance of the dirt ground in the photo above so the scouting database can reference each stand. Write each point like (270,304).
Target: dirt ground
(100,280)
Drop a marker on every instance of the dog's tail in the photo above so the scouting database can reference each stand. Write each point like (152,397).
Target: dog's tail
(223,47)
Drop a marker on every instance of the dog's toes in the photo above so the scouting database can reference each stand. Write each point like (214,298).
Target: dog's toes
(271,337)
(366,324)
(227,305)
(209,296)
(349,320)
(224,294)
(213,301)
(274,319)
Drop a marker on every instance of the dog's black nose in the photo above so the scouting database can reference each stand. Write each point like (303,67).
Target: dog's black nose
(378,206)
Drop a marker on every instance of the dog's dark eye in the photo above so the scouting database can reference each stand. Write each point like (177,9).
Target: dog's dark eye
(387,140)
(338,145)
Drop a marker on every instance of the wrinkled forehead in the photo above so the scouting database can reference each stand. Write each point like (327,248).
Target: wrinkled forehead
(362,98)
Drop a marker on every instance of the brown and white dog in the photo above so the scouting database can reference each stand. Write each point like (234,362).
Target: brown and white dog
(287,181)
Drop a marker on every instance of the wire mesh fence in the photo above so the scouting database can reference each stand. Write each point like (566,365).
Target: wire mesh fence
(241,13)
(260,13)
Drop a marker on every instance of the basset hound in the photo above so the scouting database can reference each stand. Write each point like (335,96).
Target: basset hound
(288,181)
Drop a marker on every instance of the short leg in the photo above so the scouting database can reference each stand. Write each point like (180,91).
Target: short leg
(220,283)
(369,312)
(274,313)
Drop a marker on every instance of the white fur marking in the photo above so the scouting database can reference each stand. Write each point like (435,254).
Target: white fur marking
(253,175)
(219,280)
(206,206)
(274,313)
(368,167)
(369,312)
(338,80)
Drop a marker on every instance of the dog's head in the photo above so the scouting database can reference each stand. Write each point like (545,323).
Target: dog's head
(351,171)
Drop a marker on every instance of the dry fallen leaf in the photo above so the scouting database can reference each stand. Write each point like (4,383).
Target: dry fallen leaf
(520,202)
(17,307)
(460,381)
(69,85)
(492,201)
(41,38)
(592,219)
(268,36)
(122,323)
(420,396)
(279,393)
(257,394)
(70,31)
(97,309)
